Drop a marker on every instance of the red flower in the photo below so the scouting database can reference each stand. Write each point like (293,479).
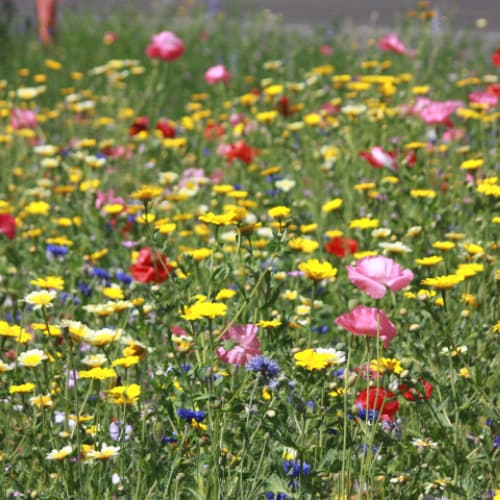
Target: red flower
(411,394)
(378,158)
(166,129)
(8,226)
(494,88)
(165,46)
(340,247)
(150,267)
(140,124)
(495,58)
(377,398)
(212,131)
(241,151)
(283,106)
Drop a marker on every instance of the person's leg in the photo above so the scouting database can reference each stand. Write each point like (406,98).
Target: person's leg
(47,13)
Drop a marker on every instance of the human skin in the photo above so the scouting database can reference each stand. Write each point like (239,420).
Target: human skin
(47,16)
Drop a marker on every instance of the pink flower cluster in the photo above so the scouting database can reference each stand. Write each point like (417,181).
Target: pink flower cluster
(374,275)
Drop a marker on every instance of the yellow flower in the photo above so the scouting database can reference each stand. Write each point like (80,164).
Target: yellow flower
(126,362)
(471,164)
(200,253)
(59,454)
(113,292)
(94,360)
(37,208)
(98,373)
(470,269)
(147,192)
(496,327)
(364,223)
(225,293)
(42,401)
(316,270)
(54,282)
(53,64)
(339,391)
(311,360)
(303,245)
(31,358)
(332,205)
(443,282)
(473,249)
(101,337)
(125,394)
(443,245)
(312,119)
(40,299)
(279,212)
(219,219)
(202,309)
(269,323)
(21,389)
(383,365)
(105,453)
(422,193)
(432,260)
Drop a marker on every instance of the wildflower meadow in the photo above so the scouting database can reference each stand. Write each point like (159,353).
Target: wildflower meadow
(239,261)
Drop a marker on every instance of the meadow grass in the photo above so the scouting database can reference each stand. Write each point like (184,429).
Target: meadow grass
(173,301)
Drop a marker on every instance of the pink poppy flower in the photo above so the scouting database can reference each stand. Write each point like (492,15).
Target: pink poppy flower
(165,46)
(247,344)
(392,43)
(326,50)
(108,197)
(487,99)
(436,112)
(22,118)
(368,321)
(217,74)
(453,134)
(378,158)
(373,274)
(8,226)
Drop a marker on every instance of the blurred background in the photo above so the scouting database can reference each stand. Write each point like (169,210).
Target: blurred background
(477,15)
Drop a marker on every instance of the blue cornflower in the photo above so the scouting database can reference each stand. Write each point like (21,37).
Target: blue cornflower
(269,495)
(66,296)
(56,250)
(124,277)
(368,415)
(189,415)
(294,468)
(268,368)
(99,272)
(85,289)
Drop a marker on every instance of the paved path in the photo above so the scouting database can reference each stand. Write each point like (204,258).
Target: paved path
(460,14)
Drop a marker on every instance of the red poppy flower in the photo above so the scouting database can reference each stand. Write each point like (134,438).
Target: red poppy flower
(212,131)
(241,151)
(495,58)
(494,89)
(378,158)
(166,129)
(411,394)
(340,247)
(140,124)
(8,226)
(150,267)
(283,106)
(377,398)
